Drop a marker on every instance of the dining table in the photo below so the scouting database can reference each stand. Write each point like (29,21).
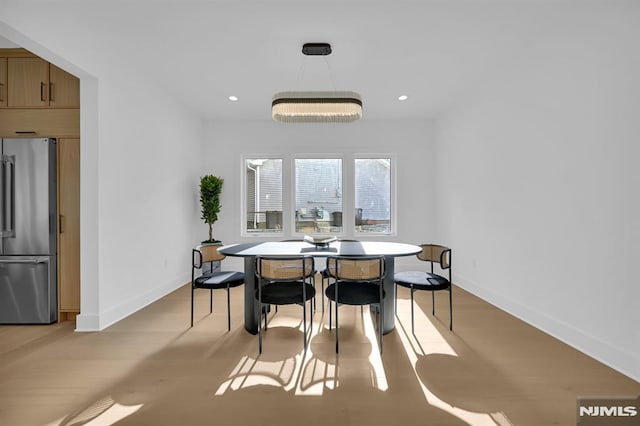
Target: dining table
(250,250)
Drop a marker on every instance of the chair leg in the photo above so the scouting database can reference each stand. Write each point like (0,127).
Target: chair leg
(210,300)
(311,327)
(316,293)
(329,316)
(377,313)
(337,304)
(413,331)
(323,296)
(304,324)
(260,331)
(450,308)
(192,289)
(266,325)
(380,322)
(337,339)
(312,313)
(228,309)
(433,303)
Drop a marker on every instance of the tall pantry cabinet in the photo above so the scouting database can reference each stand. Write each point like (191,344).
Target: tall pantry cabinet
(3,82)
(39,99)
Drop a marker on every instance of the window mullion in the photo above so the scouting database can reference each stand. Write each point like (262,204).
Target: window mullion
(349,203)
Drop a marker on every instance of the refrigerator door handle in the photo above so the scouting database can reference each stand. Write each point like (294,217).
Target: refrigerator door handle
(8,196)
(3,197)
(28,261)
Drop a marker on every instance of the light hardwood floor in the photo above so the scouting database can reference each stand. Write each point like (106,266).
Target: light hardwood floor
(152,369)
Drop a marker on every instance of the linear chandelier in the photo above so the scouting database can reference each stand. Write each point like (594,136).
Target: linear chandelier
(316,107)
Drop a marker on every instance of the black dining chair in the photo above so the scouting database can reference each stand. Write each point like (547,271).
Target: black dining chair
(315,271)
(429,281)
(285,280)
(212,280)
(356,281)
(324,272)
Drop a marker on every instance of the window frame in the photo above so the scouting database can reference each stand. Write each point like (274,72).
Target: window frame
(292,191)
(348,195)
(393,220)
(244,232)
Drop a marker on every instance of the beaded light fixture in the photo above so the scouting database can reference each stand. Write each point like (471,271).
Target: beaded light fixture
(316,107)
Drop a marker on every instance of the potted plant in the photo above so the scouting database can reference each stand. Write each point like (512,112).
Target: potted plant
(210,189)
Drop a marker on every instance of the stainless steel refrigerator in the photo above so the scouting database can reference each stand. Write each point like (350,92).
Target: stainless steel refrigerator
(28,264)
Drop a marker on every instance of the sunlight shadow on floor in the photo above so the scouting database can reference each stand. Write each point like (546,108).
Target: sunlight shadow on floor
(104,411)
(428,336)
(306,373)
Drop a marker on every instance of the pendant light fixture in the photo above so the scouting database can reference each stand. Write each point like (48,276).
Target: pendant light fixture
(316,107)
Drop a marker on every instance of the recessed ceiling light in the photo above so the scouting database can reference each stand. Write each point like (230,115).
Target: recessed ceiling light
(403,98)
(233,98)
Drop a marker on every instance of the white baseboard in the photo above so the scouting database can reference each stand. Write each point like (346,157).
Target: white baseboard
(111,316)
(614,357)
(87,323)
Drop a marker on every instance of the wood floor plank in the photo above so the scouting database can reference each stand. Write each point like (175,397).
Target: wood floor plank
(152,368)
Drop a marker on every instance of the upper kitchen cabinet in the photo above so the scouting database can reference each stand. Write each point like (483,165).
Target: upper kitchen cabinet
(28,82)
(3,82)
(34,83)
(64,88)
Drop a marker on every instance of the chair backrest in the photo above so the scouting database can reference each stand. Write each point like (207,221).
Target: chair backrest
(436,253)
(291,268)
(362,268)
(205,253)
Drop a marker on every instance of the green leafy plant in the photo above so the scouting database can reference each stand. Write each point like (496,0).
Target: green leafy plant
(210,190)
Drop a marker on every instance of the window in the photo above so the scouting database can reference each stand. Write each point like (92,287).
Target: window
(372,195)
(318,199)
(263,192)
(350,196)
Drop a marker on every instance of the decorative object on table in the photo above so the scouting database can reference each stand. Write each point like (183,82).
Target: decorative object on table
(319,242)
(210,190)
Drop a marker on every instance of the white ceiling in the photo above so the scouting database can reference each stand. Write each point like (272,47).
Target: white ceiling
(204,51)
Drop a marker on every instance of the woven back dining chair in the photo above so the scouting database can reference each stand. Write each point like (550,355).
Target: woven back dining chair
(285,280)
(212,280)
(428,280)
(356,281)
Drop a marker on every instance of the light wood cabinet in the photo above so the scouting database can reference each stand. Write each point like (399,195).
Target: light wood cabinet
(3,82)
(39,122)
(64,88)
(69,224)
(34,83)
(39,99)
(28,80)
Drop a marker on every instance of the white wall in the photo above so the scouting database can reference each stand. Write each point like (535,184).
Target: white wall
(149,165)
(538,185)
(6,44)
(140,163)
(409,141)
